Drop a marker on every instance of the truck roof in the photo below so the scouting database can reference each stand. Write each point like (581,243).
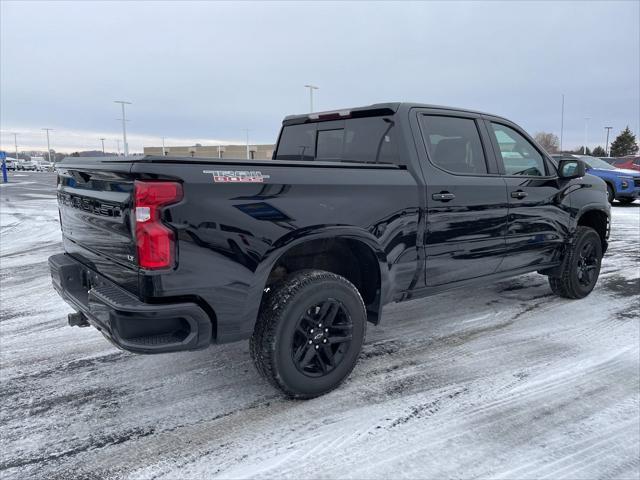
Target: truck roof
(375,109)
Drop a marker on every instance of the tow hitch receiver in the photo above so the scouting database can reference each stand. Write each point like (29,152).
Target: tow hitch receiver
(77,319)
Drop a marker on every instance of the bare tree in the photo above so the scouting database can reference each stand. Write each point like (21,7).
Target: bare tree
(548,141)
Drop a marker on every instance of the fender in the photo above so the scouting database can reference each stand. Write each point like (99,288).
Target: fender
(613,185)
(599,208)
(292,239)
(592,206)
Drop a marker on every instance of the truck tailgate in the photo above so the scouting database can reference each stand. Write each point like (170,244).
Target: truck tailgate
(95,206)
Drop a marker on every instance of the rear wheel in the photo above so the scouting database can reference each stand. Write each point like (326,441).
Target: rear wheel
(610,193)
(581,266)
(309,334)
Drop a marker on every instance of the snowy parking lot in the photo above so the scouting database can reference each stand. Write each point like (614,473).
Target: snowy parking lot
(505,381)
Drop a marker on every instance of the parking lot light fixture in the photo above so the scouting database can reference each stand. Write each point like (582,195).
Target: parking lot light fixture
(562,123)
(102,139)
(124,126)
(15,143)
(48,144)
(586,134)
(606,146)
(311,89)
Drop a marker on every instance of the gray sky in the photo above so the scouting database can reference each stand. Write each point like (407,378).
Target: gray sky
(203,72)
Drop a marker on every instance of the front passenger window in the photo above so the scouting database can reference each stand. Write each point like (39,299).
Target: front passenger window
(519,156)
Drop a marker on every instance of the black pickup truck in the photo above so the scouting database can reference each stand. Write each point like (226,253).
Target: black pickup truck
(358,208)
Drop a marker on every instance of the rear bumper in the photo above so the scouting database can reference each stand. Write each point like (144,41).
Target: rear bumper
(126,321)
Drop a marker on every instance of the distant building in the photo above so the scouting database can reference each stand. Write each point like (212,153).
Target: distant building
(256,152)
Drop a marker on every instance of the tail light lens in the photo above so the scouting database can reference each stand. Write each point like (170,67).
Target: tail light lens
(155,241)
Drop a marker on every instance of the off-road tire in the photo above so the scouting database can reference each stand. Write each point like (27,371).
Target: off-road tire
(271,344)
(567,283)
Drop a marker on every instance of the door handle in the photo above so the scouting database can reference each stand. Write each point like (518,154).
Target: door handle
(519,194)
(443,196)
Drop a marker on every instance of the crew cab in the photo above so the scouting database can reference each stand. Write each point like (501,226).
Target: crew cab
(358,208)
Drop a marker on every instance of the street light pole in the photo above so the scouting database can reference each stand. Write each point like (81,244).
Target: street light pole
(607,144)
(586,134)
(15,143)
(247,132)
(124,127)
(562,123)
(102,139)
(311,89)
(118,144)
(163,151)
(48,145)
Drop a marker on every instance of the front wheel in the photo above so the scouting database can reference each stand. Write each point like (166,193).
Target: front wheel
(611,195)
(309,334)
(581,266)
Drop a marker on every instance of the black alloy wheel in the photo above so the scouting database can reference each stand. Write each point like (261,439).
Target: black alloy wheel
(587,264)
(322,337)
(578,274)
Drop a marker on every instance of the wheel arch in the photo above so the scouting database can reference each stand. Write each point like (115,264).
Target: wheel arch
(599,220)
(317,248)
(611,183)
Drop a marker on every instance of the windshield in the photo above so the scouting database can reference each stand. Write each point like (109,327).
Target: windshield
(594,162)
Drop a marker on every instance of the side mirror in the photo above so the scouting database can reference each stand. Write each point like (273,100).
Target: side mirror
(571,168)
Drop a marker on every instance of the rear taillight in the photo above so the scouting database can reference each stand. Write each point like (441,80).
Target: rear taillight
(155,241)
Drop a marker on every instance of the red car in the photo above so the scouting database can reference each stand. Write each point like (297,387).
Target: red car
(631,162)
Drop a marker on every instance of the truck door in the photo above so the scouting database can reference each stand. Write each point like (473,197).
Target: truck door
(538,222)
(466,198)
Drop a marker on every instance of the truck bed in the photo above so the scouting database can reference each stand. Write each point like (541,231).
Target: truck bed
(228,230)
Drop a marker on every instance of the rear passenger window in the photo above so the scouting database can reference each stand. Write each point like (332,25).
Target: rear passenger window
(519,156)
(297,142)
(454,144)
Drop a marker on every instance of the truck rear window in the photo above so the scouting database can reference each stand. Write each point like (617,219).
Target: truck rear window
(367,140)
(297,142)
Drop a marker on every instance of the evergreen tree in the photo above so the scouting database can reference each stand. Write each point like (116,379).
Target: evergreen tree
(582,151)
(624,144)
(599,152)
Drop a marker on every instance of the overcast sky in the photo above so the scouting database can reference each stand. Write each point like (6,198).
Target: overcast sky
(203,71)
